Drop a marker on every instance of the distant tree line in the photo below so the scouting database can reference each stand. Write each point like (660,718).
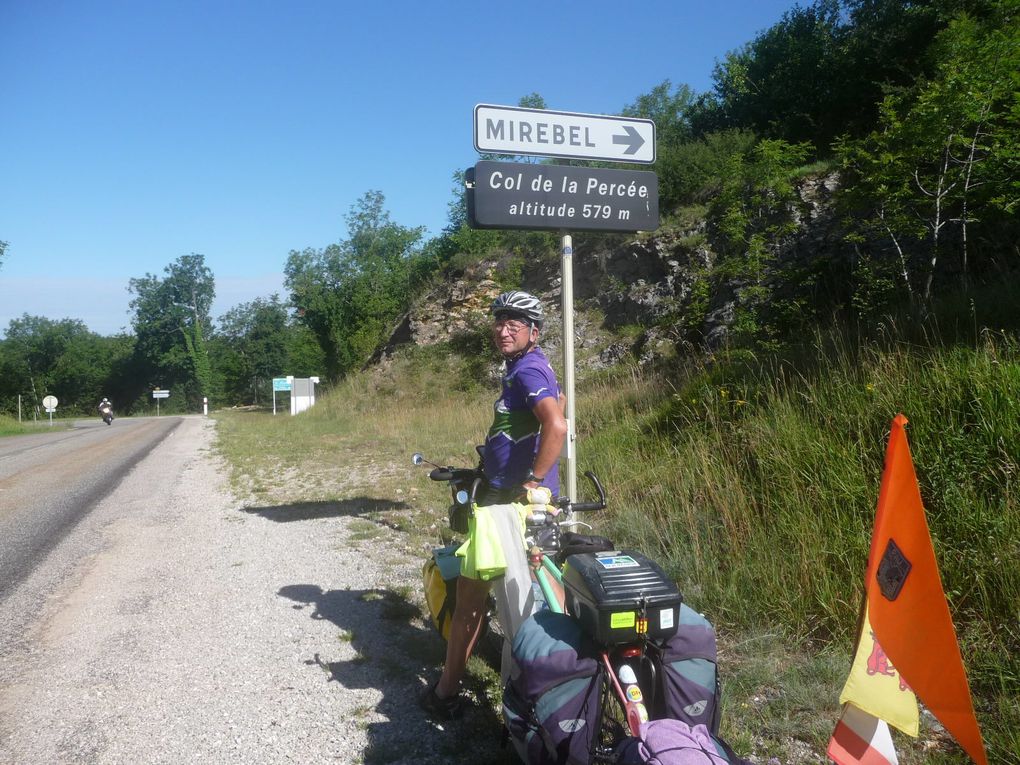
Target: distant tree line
(913,106)
(174,346)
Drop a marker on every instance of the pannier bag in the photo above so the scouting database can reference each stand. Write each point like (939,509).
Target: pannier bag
(672,742)
(439,576)
(688,680)
(572,543)
(552,702)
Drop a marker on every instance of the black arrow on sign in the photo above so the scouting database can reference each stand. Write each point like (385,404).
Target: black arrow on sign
(633,140)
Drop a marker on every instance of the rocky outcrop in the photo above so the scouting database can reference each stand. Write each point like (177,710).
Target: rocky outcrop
(631,292)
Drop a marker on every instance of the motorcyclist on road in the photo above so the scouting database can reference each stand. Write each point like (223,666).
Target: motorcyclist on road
(106,410)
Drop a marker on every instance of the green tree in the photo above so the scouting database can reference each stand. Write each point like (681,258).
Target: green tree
(351,293)
(785,83)
(304,355)
(821,71)
(172,322)
(42,356)
(752,215)
(255,337)
(944,157)
(670,108)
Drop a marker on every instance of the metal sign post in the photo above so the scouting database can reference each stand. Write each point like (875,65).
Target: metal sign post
(158,394)
(567,304)
(50,403)
(281,384)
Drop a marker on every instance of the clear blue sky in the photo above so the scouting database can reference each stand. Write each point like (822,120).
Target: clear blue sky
(132,133)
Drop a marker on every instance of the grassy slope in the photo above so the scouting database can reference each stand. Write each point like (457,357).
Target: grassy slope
(9,426)
(754,483)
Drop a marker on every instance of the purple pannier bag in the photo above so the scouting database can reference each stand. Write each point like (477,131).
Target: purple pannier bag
(689,683)
(671,742)
(552,703)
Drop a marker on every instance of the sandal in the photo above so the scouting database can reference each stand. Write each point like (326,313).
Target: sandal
(440,709)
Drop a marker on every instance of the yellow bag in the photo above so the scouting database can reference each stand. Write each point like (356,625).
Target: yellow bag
(439,577)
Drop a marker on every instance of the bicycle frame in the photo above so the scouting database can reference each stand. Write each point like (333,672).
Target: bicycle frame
(624,680)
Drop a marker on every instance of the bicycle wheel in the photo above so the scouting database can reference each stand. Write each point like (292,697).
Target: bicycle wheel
(612,724)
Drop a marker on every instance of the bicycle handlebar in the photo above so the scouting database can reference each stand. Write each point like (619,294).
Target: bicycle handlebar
(441,473)
(581,507)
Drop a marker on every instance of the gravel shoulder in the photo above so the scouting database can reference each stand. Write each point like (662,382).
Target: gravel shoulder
(204,630)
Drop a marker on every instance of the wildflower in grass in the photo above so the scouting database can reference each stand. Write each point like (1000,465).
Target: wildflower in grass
(724,394)
(869,388)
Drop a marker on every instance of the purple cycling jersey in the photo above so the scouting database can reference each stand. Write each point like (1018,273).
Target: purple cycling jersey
(512,442)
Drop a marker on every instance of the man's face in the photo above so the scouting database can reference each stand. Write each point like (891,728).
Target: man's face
(512,336)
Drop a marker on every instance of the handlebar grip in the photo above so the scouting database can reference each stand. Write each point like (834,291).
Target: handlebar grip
(581,507)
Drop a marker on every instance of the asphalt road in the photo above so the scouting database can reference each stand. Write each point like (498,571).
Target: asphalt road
(159,618)
(50,480)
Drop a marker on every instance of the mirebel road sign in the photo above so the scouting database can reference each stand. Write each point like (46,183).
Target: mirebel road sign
(161,394)
(555,197)
(516,130)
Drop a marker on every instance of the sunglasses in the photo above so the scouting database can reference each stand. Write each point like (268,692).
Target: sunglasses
(510,325)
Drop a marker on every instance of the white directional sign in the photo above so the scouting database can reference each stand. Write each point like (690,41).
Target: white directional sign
(516,130)
(161,394)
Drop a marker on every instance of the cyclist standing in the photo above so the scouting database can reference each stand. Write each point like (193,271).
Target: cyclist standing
(521,452)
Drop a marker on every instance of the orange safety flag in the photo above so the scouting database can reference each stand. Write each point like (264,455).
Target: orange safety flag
(906,604)
(861,739)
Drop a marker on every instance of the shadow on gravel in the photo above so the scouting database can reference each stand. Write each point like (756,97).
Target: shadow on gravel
(307,511)
(394,650)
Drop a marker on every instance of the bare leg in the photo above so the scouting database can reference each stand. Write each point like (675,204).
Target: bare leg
(464,630)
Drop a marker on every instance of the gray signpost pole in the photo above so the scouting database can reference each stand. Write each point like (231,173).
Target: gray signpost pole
(567,298)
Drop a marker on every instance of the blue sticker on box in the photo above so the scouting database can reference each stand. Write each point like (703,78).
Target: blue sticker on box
(618,561)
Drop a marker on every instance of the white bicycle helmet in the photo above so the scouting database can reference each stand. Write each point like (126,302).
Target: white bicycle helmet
(518,304)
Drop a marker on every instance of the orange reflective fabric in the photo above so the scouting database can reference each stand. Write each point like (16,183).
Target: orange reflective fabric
(915,628)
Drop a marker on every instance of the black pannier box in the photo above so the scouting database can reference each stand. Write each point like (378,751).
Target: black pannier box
(621,595)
